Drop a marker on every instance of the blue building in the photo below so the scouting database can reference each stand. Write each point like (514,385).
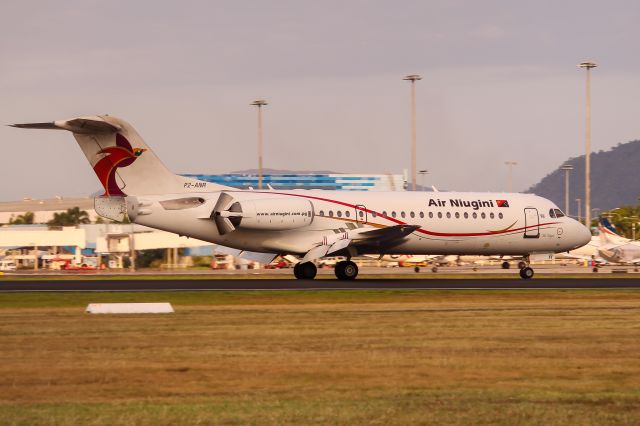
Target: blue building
(334,181)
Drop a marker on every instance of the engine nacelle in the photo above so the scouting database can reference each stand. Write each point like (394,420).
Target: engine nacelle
(273,214)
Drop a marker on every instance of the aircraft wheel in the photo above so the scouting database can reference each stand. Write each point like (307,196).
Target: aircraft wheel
(434,269)
(522,264)
(526,273)
(305,271)
(346,270)
(416,269)
(506,265)
(595,269)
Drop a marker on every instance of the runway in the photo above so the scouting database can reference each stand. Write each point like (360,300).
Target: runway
(221,284)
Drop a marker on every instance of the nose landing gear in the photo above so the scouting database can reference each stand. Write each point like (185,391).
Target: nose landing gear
(526,272)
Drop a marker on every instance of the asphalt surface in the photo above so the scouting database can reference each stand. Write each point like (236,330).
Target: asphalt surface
(8,285)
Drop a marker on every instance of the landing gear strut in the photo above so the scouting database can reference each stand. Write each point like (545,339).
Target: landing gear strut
(305,271)
(346,270)
(526,272)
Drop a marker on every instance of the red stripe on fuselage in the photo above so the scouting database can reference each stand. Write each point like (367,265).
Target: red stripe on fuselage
(399,222)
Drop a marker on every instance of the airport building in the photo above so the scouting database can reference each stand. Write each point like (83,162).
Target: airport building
(330,181)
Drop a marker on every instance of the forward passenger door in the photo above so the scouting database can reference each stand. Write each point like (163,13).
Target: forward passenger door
(531,223)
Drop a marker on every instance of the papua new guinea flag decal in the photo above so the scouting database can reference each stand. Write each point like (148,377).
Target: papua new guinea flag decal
(502,203)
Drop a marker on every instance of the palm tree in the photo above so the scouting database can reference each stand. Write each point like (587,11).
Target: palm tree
(24,219)
(73,216)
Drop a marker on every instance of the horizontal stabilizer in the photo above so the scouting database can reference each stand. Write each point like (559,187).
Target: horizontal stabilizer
(81,125)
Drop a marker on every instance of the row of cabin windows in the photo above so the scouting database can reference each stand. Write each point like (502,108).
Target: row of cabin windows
(403,215)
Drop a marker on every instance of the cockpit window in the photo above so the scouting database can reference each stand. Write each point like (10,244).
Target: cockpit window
(558,213)
(552,213)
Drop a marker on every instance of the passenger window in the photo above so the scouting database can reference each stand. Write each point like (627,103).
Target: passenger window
(339,213)
(430,215)
(491,215)
(347,213)
(457,215)
(483,215)
(558,213)
(500,215)
(475,215)
(421,215)
(448,215)
(439,215)
(374,214)
(321,212)
(384,214)
(552,213)
(361,213)
(412,214)
(330,213)
(393,214)
(402,215)
(466,215)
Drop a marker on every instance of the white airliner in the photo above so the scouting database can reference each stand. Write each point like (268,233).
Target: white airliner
(312,224)
(615,248)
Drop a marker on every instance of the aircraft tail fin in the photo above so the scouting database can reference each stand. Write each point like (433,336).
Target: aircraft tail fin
(608,232)
(123,162)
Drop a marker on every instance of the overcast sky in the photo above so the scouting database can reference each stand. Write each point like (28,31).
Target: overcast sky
(499,83)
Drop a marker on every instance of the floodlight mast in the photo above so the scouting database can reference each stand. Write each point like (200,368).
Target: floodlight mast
(567,169)
(423,173)
(414,175)
(260,103)
(587,160)
(510,165)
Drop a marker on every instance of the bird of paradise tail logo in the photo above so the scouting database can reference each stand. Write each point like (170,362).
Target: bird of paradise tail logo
(115,157)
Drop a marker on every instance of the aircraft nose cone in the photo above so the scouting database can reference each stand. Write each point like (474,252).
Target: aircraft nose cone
(583,235)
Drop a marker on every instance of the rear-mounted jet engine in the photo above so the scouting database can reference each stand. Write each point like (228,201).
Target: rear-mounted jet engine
(268,214)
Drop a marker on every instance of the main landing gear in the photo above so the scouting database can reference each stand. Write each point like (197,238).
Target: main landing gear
(345,270)
(526,272)
(305,271)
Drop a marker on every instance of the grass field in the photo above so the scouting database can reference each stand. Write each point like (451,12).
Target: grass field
(374,357)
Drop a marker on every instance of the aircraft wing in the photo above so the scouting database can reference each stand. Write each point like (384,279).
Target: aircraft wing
(361,237)
(248,255)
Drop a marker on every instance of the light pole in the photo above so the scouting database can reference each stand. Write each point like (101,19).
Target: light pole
(413,78)
(510,165)
(578,200)
(259,103)
(567,169)
(634,220)
(587,159)
(423,173)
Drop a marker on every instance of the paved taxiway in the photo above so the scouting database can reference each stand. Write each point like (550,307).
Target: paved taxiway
(7,285)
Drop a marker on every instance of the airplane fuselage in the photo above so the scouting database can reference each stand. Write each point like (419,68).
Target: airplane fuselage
(448,222)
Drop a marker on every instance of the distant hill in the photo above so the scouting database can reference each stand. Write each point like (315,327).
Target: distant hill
(615,179)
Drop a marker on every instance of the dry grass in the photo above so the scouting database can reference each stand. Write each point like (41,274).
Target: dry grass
(430,358)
